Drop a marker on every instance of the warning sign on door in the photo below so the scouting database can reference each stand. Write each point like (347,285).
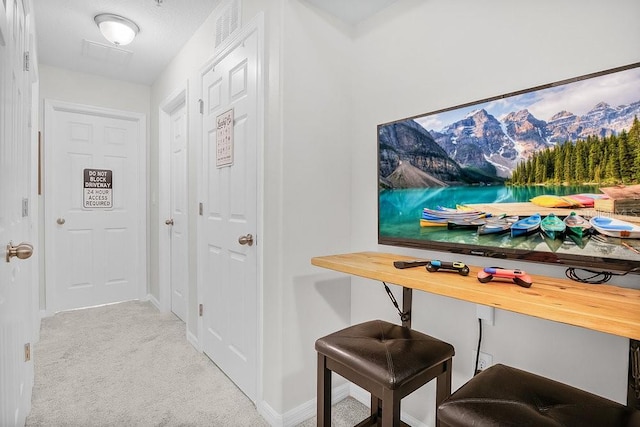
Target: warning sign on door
(98,189)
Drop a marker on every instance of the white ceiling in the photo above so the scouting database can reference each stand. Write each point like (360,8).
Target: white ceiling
(351,11)
(68,38)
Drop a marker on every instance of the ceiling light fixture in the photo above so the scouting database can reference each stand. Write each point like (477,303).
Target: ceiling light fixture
(118,30)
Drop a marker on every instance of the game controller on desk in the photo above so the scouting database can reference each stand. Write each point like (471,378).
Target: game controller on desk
(434,265)
(519,277)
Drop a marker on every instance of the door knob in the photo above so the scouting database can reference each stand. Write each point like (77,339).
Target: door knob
(22,251)
(169,221)
(246,240)
(60,221)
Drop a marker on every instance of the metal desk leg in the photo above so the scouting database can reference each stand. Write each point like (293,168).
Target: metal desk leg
(407,296)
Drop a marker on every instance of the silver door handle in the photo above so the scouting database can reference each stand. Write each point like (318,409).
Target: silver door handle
(169,221)
(246,240)
(60,221)
(22,251)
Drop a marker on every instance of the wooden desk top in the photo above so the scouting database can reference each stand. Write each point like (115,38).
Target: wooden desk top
(605,308)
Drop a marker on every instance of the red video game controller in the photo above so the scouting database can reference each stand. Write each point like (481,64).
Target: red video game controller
(519,277)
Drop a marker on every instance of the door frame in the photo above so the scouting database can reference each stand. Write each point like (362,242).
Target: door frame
(50,107)
(165,110)
(255,25)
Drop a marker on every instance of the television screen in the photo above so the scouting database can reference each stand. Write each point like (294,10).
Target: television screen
(549,174)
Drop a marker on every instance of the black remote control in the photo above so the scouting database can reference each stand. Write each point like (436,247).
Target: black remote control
(409,264)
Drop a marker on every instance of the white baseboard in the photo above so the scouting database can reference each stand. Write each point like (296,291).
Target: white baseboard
(300,413)
(308,410)
(271,416)
(193,340)
(154,301)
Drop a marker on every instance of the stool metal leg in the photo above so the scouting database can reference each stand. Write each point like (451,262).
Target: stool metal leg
(323,412)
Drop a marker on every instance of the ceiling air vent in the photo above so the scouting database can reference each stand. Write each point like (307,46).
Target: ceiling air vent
(106,54)
(228,23)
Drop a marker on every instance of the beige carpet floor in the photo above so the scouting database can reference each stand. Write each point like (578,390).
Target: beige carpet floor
(129,365)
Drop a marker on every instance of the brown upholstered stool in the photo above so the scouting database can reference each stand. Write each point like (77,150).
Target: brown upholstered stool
(505,396)
(387,360)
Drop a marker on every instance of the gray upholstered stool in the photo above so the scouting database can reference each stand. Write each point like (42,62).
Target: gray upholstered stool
(387,360)
(505,396)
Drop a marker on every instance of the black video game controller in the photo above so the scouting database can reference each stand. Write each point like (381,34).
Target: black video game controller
(519,277)
(435,265)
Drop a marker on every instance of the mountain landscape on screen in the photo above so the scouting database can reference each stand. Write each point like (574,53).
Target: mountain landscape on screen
(483,149)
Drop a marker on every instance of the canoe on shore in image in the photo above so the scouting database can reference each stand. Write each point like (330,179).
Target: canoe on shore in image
(587,200)
(458,209)
(553,201)
(577,225)
(474,223)
(497,225)
(526,225)
(615,227)
(553,227)
(584,200)
(469,223)
(440,216)
(433,222)
(450,213)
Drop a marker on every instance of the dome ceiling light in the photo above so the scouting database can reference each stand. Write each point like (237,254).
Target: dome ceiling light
(118,30)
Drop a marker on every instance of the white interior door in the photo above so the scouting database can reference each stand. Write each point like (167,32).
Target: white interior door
(228,272)
(95,206)
(16,302)
(178,222)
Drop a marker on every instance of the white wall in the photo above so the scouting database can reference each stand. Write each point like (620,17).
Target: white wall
(417,57)
(81,88)
(317,130)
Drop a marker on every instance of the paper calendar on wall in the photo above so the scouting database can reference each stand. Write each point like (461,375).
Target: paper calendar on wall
(224,139)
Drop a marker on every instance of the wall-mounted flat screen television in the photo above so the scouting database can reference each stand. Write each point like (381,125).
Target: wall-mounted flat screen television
(549,174)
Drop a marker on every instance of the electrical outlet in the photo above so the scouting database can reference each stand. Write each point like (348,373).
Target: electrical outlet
(484,361)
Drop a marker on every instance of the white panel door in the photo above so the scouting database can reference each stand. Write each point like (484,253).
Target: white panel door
(229,268)
(96,252)
(179,218)
(16,303)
